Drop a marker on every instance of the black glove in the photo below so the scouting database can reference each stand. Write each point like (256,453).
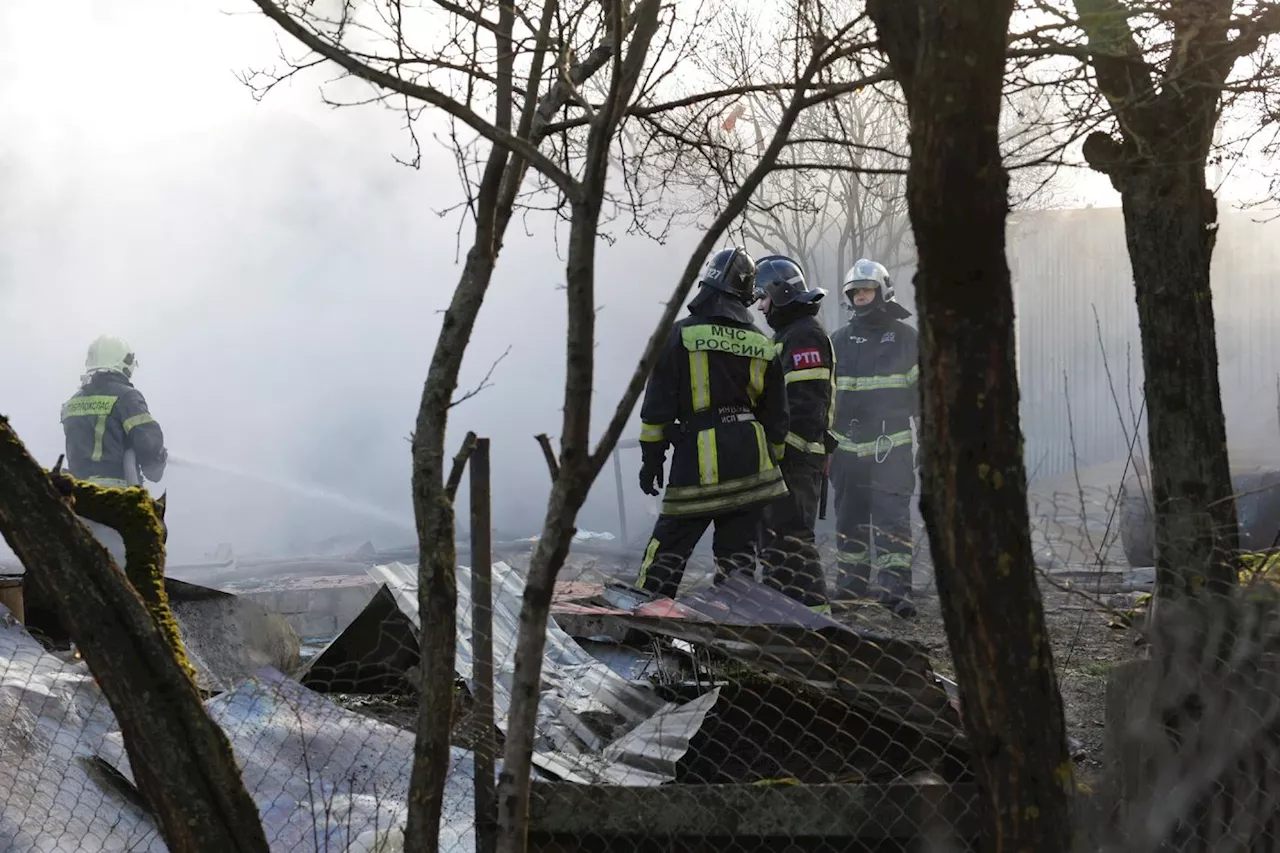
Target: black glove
(654,456)
(651,479)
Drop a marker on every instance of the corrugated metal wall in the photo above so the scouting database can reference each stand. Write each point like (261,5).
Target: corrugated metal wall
(1066,265)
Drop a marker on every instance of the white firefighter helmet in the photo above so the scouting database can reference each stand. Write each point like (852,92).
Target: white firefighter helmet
(866,274)
(109,353)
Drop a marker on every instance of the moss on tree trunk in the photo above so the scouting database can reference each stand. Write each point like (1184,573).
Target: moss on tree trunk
(182,761)
(139,520)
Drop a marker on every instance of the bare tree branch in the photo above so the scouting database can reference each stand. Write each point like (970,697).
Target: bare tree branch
(459,465)
(426,94)
(549,454)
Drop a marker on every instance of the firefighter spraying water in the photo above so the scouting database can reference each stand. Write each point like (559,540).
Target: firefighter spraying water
(111,438)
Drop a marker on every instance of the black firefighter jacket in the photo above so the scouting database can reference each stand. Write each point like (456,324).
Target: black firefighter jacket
(808,364)
(106,417)
(877,379)
(716,394)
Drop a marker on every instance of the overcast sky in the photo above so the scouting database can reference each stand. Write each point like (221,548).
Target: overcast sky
(278,273)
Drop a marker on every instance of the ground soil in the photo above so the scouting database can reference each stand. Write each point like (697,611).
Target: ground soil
(1088,639)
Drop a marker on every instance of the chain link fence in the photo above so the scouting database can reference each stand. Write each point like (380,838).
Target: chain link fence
(731,717)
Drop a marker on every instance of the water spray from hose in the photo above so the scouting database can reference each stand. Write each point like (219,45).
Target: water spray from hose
(365,509)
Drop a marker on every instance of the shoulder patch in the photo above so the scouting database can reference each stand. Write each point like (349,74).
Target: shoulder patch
(807,357)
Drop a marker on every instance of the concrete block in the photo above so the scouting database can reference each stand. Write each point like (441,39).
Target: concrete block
(342,597)
(313,625)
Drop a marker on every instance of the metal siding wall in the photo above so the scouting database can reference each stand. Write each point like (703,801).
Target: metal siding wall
(1066,262)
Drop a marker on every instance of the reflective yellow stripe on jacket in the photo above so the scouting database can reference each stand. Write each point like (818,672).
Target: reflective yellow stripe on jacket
(653,432)
(877,383)
(868,448)
(713,494)
(808,374)
(108,482)
(719,497)
(799,443)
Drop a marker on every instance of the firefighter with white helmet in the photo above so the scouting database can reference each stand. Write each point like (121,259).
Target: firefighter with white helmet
(104,420)
(873,468)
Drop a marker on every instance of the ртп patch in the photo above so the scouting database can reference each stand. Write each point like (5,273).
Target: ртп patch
(807,357)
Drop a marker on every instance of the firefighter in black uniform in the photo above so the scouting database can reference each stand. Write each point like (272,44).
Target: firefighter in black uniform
(106,418)
(873,469)
(716,396)
(790,555)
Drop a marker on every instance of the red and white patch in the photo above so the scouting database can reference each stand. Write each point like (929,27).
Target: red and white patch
(808,357)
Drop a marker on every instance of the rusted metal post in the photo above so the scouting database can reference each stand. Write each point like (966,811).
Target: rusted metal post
(622,503)
(482,649)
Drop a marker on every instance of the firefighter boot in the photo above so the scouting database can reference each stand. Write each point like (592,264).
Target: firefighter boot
(893,592)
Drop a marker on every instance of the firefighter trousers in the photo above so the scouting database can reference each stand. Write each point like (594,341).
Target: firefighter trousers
(873,524)
(788,551)
(674,537)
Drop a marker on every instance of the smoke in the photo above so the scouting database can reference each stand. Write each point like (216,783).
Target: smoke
(279,274)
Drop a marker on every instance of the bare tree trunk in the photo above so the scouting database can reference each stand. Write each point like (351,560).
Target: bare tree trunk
(181,759)
(577,468)
(433,504)
(437,549)
(433,499)
(1170,224)
(949,56)
(1166,124)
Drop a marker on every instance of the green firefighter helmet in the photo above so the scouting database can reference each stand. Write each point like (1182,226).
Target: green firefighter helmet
(108,353)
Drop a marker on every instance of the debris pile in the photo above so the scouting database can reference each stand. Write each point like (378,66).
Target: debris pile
(734,684)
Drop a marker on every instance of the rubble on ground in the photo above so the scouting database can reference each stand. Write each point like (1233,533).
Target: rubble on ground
(732,684)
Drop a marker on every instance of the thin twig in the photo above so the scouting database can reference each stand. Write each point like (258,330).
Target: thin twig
(498,136)
(1075,467)
(484,383)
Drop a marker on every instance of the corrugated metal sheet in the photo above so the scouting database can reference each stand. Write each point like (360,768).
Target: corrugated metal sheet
(53,720)
(321,776)
(580,696)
